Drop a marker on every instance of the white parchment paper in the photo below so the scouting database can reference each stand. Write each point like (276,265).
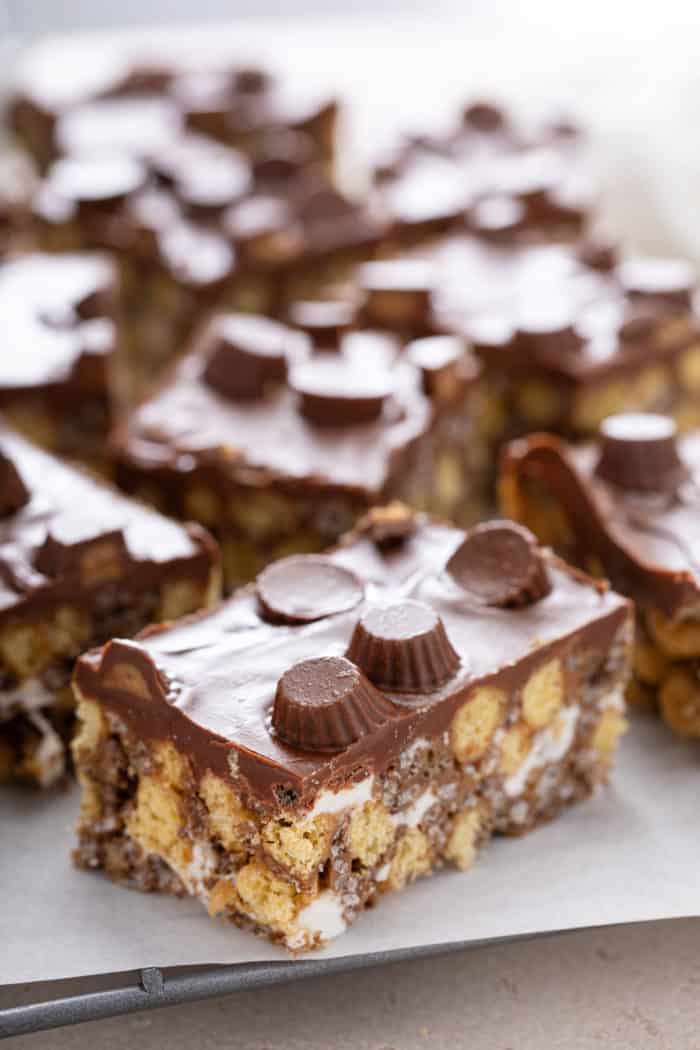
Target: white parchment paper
(630,854)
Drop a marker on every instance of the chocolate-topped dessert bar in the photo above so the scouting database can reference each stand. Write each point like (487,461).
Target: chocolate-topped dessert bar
(487,170)
(567,334)
(627,507)
(67,90)
(79,563)
(277,437)
(60,343)
(195,224)
(350,722)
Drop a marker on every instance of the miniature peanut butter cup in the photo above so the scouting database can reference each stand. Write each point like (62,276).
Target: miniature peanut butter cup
(248,353)
(639,451)
(484,116)
(13,492)
(326,704)
(403,648)
(307,587)
(548,327)
(498,563)
(639,324)
(96,183)
(443,362)
(598,255)
(398,293)
(208,186)
(670,282)
(339,393)
(75,550)
(497,218)
(324,321)
(390,526)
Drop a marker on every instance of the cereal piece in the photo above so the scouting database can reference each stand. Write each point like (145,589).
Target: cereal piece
(679,698)
(543,694)
(476,722)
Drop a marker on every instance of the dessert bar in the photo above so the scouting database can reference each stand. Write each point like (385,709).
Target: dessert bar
(278,437)
(349,722)
(486,169)
(626,507)
(566,334)
(59,349)
(79,563)
(195,224)
(92,93)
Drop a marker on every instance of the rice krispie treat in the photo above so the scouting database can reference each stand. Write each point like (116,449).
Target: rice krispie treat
(79,563)
(350,722)
(626,507)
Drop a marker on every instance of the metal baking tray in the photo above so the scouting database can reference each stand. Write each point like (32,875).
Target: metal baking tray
(112,995)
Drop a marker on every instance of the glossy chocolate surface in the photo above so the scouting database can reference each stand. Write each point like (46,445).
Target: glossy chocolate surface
(74,536)
(57,328)
(648,539)
(340,419)
(210,683)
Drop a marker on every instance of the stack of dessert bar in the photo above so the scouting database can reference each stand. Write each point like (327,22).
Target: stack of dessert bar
(322,384)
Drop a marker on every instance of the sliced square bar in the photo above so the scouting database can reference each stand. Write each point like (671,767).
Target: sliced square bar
(488,170)
(59,349)
(567,334)
(195,224)
(67,90)
(79,563)
(626,507)
(350,722)
(278,440)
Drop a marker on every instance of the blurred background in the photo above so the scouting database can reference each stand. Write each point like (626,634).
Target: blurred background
(626,70)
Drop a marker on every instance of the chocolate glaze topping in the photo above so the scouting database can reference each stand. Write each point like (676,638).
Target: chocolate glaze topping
(230,673)
(639,518)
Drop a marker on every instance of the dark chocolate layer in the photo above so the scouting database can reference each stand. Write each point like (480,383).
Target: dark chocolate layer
(209,684)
